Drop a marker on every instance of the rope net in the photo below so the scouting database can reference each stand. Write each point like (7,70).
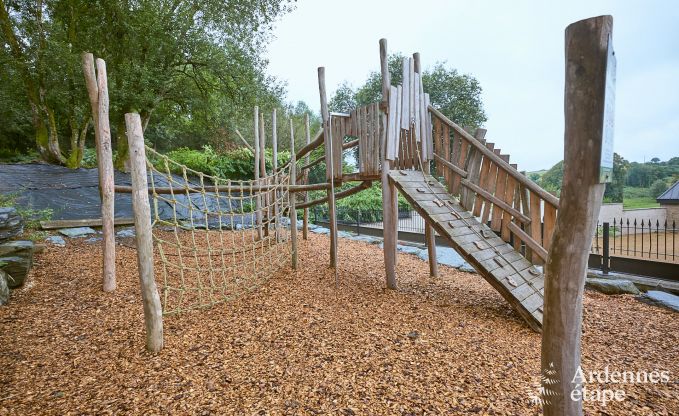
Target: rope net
(214,239)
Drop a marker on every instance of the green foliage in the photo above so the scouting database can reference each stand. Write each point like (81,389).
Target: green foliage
(194,69)
(236,164)
(614,189)
(645,174)
(31,217)
(368,200)
(658,187)
(552,179)
(457,96)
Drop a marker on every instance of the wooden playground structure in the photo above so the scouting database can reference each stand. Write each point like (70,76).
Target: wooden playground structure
(222,237)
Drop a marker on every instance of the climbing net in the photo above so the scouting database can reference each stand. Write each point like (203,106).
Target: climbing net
(214,239)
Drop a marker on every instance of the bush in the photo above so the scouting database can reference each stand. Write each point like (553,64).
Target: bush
(658,187)
(31,217)
(237,164)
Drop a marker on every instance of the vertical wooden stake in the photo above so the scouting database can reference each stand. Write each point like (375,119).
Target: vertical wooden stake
(329,163)
(307,132)
(258,198)
(293,210)
(97,88)
(429,234)
(587,45)
(153,314)
(389,192)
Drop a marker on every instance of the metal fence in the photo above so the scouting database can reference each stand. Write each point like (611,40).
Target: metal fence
(637,238)
(408,220)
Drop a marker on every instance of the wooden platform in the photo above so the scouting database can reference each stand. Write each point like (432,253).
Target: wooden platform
(517,280)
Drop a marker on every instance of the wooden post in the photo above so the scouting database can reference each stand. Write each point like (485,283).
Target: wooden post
(264,197)
(293,210)
(97,89)
(332,219)
(307,160)
(588,87)
(258,198)
(389,192)
(429,234)
(153,314)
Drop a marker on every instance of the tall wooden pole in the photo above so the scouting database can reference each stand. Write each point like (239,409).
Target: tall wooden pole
(389,192)
(153,315)
(332,219)
(588,122)
(293,210)
(258,198)
(97,89)
(429,235)
(307,159)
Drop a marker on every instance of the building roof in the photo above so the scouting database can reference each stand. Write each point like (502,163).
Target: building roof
(670,196)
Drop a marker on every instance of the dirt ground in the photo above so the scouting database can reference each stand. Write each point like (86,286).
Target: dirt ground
(300,345)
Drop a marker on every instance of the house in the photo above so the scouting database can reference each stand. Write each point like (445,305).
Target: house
(670,201)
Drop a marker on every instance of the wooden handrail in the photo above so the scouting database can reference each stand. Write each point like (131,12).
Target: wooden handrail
(496,201)
(450,166)
(534,245)
(532,186)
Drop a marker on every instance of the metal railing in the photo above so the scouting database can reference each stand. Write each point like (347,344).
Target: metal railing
(637,238)
(408,220)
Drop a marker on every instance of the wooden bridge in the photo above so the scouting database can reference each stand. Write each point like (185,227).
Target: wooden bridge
(466,190)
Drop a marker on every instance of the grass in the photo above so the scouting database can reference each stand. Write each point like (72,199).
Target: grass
(635,198)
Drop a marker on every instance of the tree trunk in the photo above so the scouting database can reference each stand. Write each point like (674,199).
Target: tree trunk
(122,161)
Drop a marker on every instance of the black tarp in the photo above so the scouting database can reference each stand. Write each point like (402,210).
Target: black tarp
(74,194)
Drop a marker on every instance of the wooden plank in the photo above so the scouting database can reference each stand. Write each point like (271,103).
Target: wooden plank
(87,222)
(461,161)
(497,202)
(392,129)
(332,218)
(405,96)
(411,91)
(536,225)
(510,191)
(474,170)
(490,188)
(500,186)
(535,246)
(550,223)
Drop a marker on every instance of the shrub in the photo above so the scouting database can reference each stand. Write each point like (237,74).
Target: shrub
(658,187)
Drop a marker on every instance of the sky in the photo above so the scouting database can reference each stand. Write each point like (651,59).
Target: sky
(516,51)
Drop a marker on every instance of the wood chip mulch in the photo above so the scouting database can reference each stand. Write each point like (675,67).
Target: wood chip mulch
(300,345)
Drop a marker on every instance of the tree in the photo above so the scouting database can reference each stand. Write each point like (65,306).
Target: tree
(457,96)
(614,189)
(658,187)
(655,160)
(552,179)
(195,66)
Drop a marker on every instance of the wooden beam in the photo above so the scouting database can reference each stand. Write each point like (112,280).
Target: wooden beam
(88,222)
(450,166)
(293,210)
(123,189)
(590,81)
(97,88)
(245,142)
(534,245)
(329,164)
(305,218)
(389,192)
(339,195)
(153,314)
(496,201)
